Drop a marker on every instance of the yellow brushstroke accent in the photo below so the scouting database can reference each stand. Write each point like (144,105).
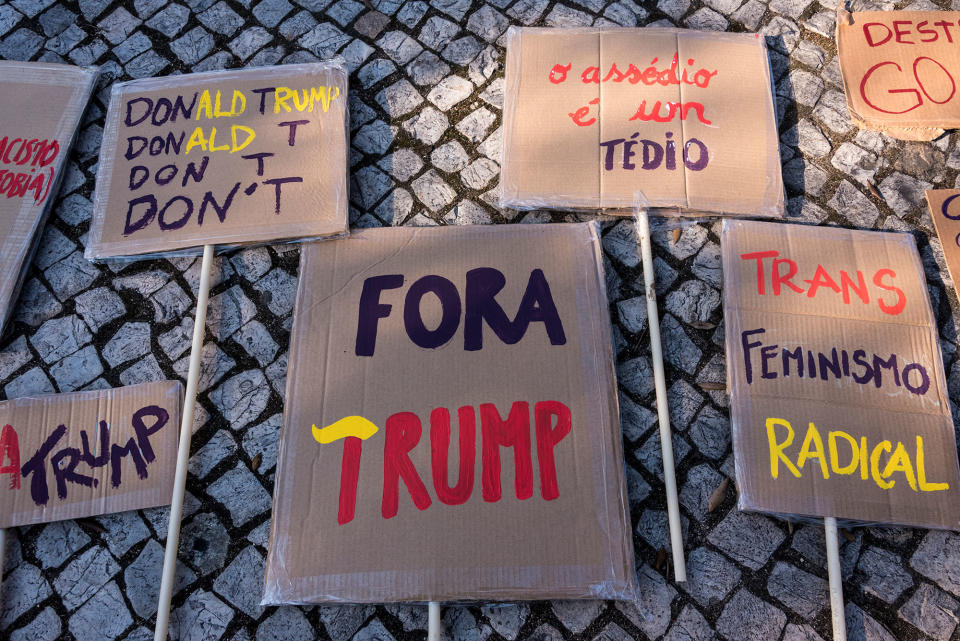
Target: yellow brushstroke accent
(349,426)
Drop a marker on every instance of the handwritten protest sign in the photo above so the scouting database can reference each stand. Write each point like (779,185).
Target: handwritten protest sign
(222,158)
(945,210)
(496,472)
(66,456)
(839,405)
(40,109)
(900,70)
(592,116)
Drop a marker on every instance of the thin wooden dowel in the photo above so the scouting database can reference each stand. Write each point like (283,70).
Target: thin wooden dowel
(836,580)
(433,625)
(663,412)
(183,451)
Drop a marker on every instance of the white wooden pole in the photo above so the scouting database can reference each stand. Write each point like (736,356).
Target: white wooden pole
(836,580)
(433,626)
(666,442)
(183,451)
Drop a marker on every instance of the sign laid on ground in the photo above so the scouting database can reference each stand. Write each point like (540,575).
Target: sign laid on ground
(900,70)
(67,456)
(591,116)
(222,158)
(838,398)
(945,211)
(496,471)
(40,108)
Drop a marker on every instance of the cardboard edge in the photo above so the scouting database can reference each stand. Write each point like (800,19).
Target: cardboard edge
(630,590)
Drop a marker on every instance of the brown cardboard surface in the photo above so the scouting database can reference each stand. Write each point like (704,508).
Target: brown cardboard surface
(843,331)
(67,456)
(40,108)
(289,182)
(944,207)
(557,78)
(574,542)
(900,70)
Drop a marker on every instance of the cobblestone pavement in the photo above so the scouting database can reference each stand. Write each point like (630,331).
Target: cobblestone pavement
(426,96)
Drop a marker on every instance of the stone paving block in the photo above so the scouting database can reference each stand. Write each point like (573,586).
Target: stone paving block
(747,538)
(85,576)
(203,616)
(89,624)
(748,618)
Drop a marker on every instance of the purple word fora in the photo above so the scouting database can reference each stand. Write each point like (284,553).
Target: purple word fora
(478,305)
(635,152)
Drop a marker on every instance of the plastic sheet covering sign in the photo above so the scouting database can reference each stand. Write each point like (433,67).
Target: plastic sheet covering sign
(223,158)
(945,210)
(838,399)
(591,116)
(40,110)
(450,429)
(67,456)
(900,70)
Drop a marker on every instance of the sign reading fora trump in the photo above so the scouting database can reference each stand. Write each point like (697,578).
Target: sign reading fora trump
(450,429)
(838,398)
(223,158)
(592,116)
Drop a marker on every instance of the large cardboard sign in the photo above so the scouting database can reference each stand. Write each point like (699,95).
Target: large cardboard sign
(838,399)
(66,456)
(450,429)
(900,70)
(687,118)
(40,110)
(223,158)
(945,210)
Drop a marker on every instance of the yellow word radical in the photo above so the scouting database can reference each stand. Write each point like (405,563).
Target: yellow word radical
(861,457)
(355,426)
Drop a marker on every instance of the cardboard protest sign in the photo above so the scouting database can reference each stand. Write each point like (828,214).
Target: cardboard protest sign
(838,398)
(494,473)
(591,116)
(67,456)
(222,158)
(40,108)
(900,70)
(945,210)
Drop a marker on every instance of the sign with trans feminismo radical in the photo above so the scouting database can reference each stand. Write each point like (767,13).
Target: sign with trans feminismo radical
(838,398)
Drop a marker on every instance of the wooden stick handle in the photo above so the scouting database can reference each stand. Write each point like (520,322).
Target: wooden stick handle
(836,580)
(663,413)
(183,451)
(433,627)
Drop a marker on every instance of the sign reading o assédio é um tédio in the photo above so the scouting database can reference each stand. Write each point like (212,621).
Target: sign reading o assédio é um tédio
(225,158)
(687,118)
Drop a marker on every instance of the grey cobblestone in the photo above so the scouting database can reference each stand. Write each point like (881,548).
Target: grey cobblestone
(426,101)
